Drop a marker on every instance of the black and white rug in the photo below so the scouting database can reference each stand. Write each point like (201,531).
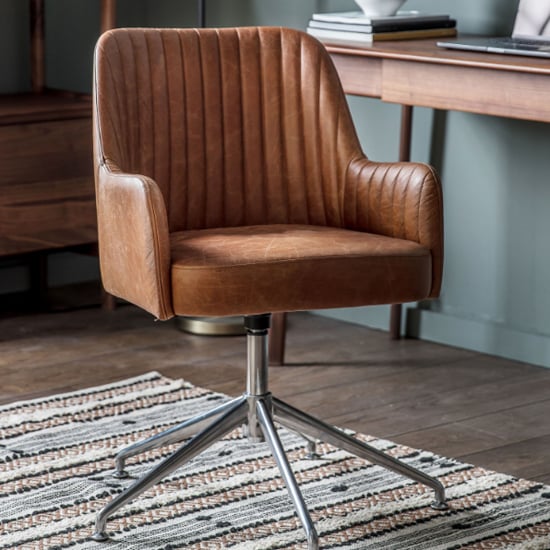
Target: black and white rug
(56,457)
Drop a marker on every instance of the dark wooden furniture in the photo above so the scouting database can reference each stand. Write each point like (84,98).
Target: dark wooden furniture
(419,73)
(46,201)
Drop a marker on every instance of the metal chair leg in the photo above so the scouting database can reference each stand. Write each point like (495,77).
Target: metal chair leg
(178,433)
(218,429)
(297,420)
(272,438)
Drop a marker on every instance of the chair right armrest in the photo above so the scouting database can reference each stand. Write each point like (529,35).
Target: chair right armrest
(133,237)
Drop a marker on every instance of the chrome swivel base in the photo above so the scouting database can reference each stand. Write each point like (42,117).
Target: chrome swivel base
(258,411)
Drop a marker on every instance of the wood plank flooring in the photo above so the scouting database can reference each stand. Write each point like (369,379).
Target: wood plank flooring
(477,408)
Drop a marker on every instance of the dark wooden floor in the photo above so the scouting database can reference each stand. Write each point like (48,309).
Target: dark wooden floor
(480,409)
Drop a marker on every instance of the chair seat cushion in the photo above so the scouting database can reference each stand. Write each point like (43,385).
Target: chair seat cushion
(271,268)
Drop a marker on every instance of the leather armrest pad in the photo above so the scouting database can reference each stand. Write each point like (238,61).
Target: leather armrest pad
(133,240)
(397,199)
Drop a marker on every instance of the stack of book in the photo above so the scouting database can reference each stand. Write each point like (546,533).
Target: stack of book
(353,28)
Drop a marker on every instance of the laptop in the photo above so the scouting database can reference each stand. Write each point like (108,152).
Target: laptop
(531,34)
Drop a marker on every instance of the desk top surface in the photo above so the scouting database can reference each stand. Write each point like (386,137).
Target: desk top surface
(427,51)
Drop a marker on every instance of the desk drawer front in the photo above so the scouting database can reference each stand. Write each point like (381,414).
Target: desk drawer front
(359,76)
(492,92)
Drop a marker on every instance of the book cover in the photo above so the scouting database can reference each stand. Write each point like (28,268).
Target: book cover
(345,38)
(358,17)
(394,26)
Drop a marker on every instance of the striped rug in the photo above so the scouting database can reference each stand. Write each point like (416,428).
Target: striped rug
(56,457)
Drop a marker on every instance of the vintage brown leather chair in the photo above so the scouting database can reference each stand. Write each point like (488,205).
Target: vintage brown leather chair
(230,181)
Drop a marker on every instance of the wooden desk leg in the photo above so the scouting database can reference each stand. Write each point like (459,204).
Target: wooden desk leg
(108,301)
(201,13)
(277,339)
(405,137)
(395,321)
(404,155)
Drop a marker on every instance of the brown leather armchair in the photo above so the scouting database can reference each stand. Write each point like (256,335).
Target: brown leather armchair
(230,181)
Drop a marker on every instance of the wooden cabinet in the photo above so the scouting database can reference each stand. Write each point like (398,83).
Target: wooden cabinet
(46,178)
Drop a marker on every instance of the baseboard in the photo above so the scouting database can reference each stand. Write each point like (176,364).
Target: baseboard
(471,334)
(482,336)
(377,317)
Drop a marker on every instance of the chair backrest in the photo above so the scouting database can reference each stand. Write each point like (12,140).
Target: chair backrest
(239,126)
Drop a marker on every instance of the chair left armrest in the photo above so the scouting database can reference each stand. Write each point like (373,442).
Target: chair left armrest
(397,199)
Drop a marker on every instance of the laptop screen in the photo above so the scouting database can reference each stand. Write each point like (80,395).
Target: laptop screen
(532,19)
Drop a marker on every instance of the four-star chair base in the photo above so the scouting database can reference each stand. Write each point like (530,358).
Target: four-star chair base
(258,411)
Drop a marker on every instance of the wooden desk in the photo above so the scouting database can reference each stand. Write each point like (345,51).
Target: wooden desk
(419,73)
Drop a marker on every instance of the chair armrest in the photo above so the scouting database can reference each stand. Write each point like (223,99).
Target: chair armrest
(397,199)
(134,246)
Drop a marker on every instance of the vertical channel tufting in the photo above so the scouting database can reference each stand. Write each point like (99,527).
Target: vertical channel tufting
(404,191)
(232,121)
(322,137)
(252,131)
(144,114)
(118,109)
(237,126)
(310,106)
(406,200)
(415,232)
(223,152)
(213,129)
(195,139)
(168,116)
(393,210)
(380,216)
(200,185)
(374,199)
(282,128)
(176,118)
(241,107)
(261,121)
(128,68)
(329,143)
(270,77)
(291,68)
(160,107)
